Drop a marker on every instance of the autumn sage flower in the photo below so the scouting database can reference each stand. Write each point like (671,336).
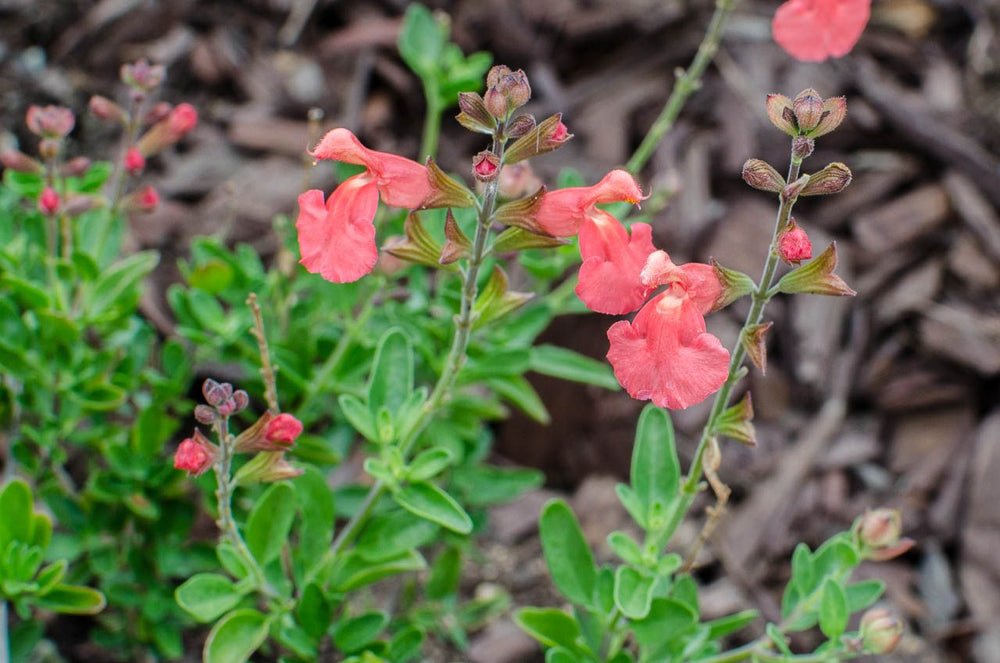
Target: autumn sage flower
(337,236)
(665,355)
(814,30)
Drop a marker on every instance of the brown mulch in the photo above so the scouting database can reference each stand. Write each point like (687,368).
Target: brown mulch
(892,398)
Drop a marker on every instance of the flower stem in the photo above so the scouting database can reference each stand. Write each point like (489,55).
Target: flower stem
(754,317)
(687,83)
(452,365)
(267,368)
(432,119)
(128,138)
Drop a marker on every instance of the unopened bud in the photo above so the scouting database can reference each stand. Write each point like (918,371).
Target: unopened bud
(50,121)
(266,467)
(241,399)
(145,199)
(157,113)
(834,112)
(182,119)
(166,132)
(142,75)
(793,244)
(195,454)
(515,87)
(878,533)
(134,161)
(880,631)
(802,147)
(761,175)
(485,166)
(808,109)
(49,148)
(832,179)
(48,201)
(104,109)
(216,392)
(20,162)
(550,134)
(283,430)
(495,74)
(496,103)
(474,115)
(793,189)
(204,414)
(77,204)
(816,277)
(520,125)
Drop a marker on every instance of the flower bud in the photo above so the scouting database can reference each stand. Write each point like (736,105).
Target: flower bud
(793,244)
(808,109)
(485,166)
(77,204)
(880,631)
(793,189)
(832,179)
(520,125)
(266,467)
(145,199)
(550,134)
(241,399)
(75,167)
(474,115)
(157,113)
(134,161)
(20,162)
(48,201)
(761,175)
(215,392)
(802,147)
(143,76)
(880,528)
(166,132)
(182,119)
(204,414)
(515,88)
(195,454)
(48,148)
(779,111)
(816,277)
(496,103)
(283,430)
(495,74)
(50,121)
(834,112)
(104,109)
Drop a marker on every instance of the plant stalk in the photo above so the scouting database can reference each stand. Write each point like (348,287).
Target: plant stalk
(432,120)
(687,83)
(4,636)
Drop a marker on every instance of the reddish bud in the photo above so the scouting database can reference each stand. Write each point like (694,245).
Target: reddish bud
(521,125)
(515,87)
(195,454)
(550,134)
(215,392)
(75,167)
(50,121)
(880,631)
(808,109)
(48,201)
(205,414)
(283,430)
(134,161)
(496,103)
(878,533)
(832,179)
(485,166)
(793,244)
(20,162)
(762,176)
(145,199)
(495,74)
(182,119)
(143,76)
(802,147)
(104,109)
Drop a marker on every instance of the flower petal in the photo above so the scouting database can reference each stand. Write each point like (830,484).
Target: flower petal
(337,240)
(612,262)
(560,212)
(813,30)
(401,181)
(701,282)
(665,354)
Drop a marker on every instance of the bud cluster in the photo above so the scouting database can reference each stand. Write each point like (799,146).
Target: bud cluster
(879,535)
(808,115)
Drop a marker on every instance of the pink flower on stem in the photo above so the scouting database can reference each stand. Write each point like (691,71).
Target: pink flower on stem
(283,430)
(794,245)
(814,30)
(612,264)
(337,237)
(561,212)
(182,119)
(665,354)
(195,454)
(48,201)
(134,161)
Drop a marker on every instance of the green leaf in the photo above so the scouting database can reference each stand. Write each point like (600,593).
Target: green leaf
(631,502)
(235,637)
(835,557)
(422,40)
(656,469)
(428,501)
(355,633)
(633,592)
(353,570)
(72,599)
(28,294)
(313,611)
(393,533)
(120,280)
(445,574)
(483,485)
(667,618)
(568,365)
(521,394)
(863,594)
(723,626)
(429,463)
(567,554)
(316,506)
(551,627)
(359,416)
(270,521)
(803,576)
(51,576)
(626,548)
(18,513)
(205,596)
(392,372)
(561,655)
(833,613)
(405,645)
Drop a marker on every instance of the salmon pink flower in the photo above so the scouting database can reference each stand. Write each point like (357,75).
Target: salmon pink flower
(794,245)
(814,30)
(195,454)
(134,161)
(665,354)
(612,264)
(561,212)
(337,237)
(283,430)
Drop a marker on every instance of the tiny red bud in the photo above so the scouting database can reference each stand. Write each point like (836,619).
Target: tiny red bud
(485,166)
(880,631)
(195,454)
(48,201)
(204,414)
(808,109)
(50,121)
(182,119)
(134,161)
(793,244)
(145,199)
(283,430)
(496,103)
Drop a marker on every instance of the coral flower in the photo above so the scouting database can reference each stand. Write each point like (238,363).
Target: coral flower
(561,212)
(665,354)
(814,30)
(337,237)
(612,264)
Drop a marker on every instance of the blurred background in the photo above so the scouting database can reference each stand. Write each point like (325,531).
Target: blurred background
(888,399)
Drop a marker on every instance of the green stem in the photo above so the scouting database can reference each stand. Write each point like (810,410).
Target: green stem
(128,139)
(4,637)
(687,82)
(432,119)
(452,365)
(754,317)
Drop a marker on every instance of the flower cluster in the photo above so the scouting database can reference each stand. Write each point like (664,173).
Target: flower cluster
(814,30)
